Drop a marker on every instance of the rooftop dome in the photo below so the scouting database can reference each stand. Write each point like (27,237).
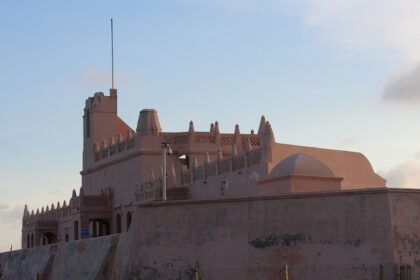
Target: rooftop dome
(301,164)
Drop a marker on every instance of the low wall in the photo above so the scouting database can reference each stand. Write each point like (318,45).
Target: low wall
(343,235)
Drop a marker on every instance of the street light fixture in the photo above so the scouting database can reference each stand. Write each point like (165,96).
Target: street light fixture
(166,150)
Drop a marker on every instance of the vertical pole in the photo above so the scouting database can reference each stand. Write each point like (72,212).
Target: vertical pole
(112,52)
(381,272)
(164,173)
(286,272)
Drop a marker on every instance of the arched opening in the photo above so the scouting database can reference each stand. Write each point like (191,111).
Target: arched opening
(48,238)
(129,216)
(100,227)
(184,160)
(28,241)
(118,224)
(32,240)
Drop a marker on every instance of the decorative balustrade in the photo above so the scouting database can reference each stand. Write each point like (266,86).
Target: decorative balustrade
(152,190)
(233,163)
(114,148)
(210,138)
(77,203)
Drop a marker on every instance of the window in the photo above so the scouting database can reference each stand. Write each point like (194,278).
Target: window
(76,230)
(118,223)
(87,123)
(128,220)
(28,241)
(32,240)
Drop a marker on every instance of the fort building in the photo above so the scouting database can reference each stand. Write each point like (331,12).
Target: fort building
(202,204)
(122,167)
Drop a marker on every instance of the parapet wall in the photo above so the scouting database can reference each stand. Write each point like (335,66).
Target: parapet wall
(344,235)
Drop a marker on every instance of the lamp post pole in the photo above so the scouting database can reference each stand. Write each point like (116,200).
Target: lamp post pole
(166,150)
(164,145)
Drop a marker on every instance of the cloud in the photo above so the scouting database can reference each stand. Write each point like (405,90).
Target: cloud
(93,76)
(368,24)
(348,142)
(356,24)
(10,214)
(10,220)
(404,88)
(406,175)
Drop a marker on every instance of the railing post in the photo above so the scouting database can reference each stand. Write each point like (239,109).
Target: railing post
(381,272)
(196,275)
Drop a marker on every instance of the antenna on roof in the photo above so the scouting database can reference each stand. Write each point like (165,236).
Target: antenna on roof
(112,53)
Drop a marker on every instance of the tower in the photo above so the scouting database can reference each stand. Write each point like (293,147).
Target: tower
(100,123)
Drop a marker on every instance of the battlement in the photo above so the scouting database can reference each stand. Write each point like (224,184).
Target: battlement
(178,186)
(183,142)
(77,203)
(105,149)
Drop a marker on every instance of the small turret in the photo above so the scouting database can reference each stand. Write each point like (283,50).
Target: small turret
(261,128)
(191,127)
(25,211)
(194,162)
(234,150)
(211,128)
(216,128)
(248,146)
(148,123)
(268,138)
(206,158)
(219,154)
(237,131)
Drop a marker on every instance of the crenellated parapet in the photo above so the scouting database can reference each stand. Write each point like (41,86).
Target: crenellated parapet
(77,203)
(222,166)
(110,147)
(182,142)
(227,162)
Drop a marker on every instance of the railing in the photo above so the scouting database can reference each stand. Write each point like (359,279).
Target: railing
(112,149)
(234,163)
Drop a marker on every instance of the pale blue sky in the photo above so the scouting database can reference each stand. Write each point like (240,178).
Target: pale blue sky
(320,73)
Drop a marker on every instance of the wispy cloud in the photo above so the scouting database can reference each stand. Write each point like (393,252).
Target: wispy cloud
(404,88)
(348,143)
(386,26)
(360,24)
(371,24)
(405,175)
(10,220)
(93,76)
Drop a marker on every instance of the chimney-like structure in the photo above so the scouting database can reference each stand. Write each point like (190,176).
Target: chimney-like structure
(148,123)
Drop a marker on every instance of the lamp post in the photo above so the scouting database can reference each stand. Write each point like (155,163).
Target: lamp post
(166,150)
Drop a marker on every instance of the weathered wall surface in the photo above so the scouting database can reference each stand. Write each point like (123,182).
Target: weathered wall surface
(405,207)
(310,230)
(86,259)
(349,233)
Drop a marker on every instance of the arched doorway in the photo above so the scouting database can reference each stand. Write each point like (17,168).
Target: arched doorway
(100,227)
(129,217)
(32,240)
(118,224)
(48,238)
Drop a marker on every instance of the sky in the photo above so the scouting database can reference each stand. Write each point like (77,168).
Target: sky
(326,73)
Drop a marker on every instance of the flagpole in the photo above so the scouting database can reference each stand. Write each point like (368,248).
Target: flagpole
(112,52)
